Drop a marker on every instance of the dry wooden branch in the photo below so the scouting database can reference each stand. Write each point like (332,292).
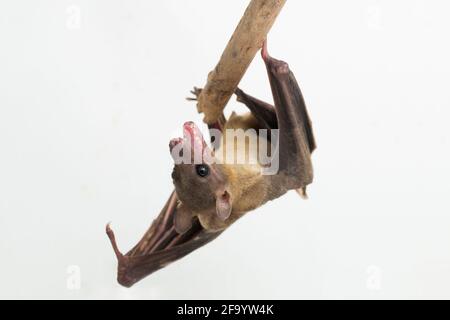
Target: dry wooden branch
(245,42)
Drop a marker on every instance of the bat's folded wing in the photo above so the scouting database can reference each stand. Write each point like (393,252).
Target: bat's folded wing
(159,246)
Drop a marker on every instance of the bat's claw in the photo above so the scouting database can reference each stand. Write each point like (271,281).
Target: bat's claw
(196,92)
(123,276)
(239,93)
(112,239)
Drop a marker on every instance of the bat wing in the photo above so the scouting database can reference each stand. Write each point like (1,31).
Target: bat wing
(296,138)
(303,121)
(160,245)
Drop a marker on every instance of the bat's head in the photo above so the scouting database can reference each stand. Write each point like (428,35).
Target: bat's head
(201,183)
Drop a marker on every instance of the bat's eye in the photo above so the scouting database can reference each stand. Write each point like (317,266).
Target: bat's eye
(202,170)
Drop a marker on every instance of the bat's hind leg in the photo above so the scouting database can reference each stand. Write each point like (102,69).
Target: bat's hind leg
(296,140)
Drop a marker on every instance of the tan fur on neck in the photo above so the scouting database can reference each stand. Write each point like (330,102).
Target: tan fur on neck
(247,186)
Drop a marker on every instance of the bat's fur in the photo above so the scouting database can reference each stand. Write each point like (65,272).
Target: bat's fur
(244,182)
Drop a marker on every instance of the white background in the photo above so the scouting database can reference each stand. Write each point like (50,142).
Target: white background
(92,91)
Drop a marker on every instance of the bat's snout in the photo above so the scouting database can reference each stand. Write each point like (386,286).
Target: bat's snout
(192,141)
(192,133)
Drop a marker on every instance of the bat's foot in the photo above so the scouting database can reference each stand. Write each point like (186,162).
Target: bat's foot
(196,92)
(277,66)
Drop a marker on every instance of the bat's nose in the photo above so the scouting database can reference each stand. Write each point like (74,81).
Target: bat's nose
(191,131)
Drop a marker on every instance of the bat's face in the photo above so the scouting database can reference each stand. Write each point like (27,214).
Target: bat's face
(200,183)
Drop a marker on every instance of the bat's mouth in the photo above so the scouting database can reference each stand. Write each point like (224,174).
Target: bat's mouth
(192,140)
(193,135)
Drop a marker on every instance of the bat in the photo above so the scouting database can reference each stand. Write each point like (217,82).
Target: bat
(210,193)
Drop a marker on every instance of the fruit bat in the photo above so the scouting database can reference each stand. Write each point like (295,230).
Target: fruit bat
(211,194)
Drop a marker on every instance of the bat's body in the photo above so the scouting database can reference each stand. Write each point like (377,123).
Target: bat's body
(229,190)
(246,183)
(210,193)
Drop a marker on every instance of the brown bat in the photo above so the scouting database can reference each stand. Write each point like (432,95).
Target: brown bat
(210,193)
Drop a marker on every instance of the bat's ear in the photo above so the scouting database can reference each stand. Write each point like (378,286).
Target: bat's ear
(223,205)
(182,219)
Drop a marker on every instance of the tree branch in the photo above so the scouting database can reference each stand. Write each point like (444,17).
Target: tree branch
(246,40)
